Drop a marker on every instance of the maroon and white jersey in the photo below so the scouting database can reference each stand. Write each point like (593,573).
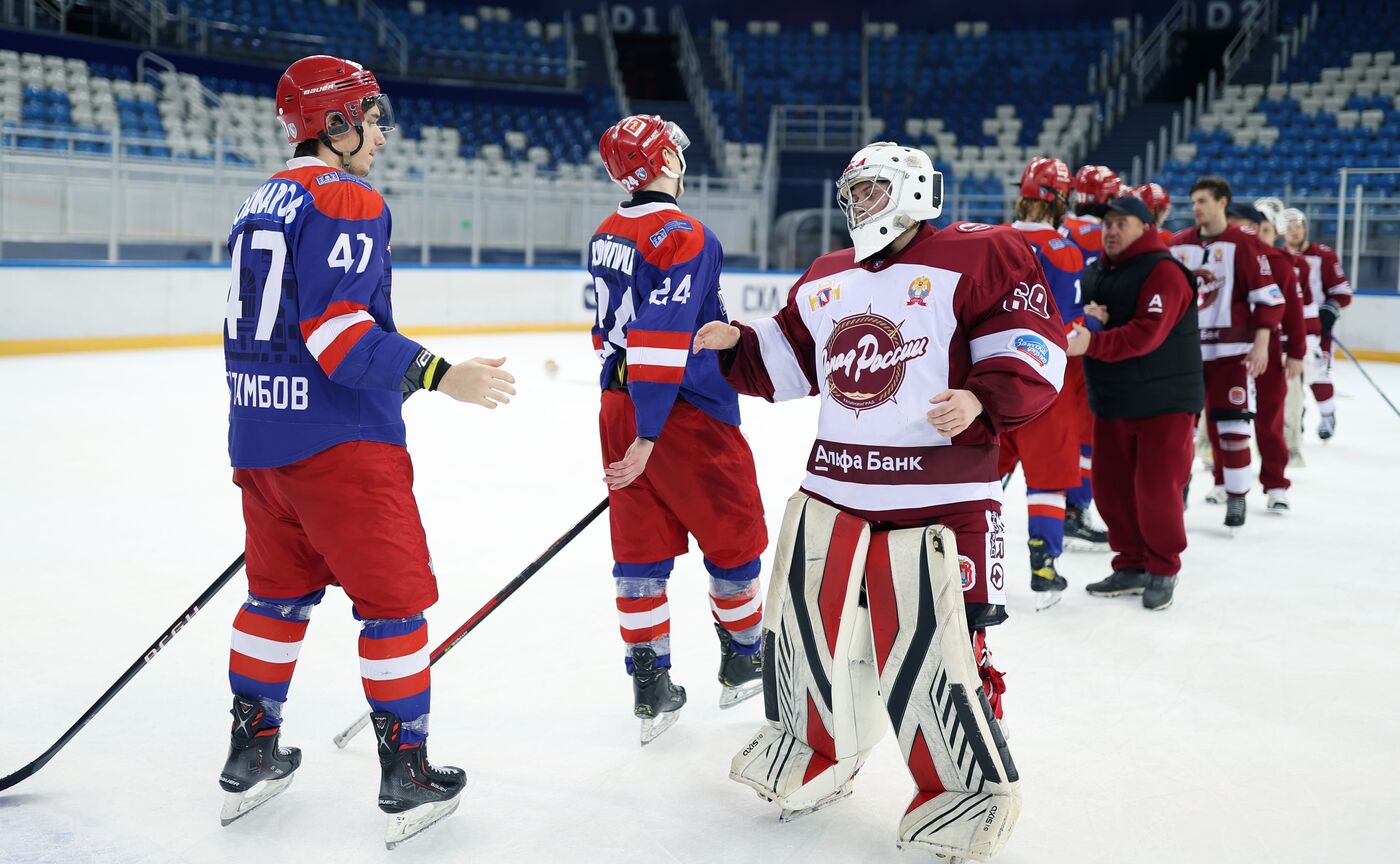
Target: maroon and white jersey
(1237,291)
(1311,298)
(964,307)
(1327,279)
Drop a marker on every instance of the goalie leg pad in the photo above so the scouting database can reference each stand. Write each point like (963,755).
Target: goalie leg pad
(824,713)
(969,792)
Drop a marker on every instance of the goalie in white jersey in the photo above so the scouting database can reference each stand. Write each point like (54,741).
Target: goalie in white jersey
(924,345)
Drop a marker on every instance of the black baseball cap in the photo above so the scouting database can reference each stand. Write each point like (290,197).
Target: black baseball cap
(1247,212)
(1129,205)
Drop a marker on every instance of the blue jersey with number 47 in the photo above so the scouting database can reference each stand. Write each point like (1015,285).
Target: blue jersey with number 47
(656,274)
(312,356)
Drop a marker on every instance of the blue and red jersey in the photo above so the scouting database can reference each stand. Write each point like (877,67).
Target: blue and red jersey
(312,355)
(1087,234)
(1063,264)
(656,273)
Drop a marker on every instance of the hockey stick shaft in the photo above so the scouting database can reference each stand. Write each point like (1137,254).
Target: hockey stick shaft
(491,605)
(1352,357)
(141,663)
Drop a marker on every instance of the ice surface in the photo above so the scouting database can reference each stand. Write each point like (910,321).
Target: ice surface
(1256,721)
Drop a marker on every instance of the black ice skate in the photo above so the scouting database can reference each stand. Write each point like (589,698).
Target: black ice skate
(1234,513)
(740,675)
(1327,426)
(415,794)
(1119,583)
(1046,581)
(257,770)
(656,700)
(1081,534)
(1158,595)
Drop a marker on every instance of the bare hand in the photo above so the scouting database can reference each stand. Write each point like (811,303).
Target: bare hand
(480,381)
(1097,312)
(619,475)
(953,411)
(1078,341)
(1257,360)
(716,336)
(1292,368)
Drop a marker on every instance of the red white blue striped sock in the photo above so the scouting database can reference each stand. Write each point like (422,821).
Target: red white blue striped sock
(394,669)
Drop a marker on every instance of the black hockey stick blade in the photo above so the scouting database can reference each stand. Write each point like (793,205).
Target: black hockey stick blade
(33,767)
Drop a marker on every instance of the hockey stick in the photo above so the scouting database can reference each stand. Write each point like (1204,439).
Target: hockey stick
(141,662)
(451,642)
(1352,357)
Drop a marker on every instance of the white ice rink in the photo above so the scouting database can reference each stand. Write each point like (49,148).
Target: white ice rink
(1258,720)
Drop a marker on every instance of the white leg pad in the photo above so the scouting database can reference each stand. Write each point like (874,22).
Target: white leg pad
(824,712)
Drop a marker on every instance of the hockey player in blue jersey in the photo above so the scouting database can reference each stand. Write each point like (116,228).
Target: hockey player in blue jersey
(674,459)
(1048,446)
(317,375)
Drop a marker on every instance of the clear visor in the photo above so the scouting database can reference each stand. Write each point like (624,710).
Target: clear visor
(677,136)
(864,194)
(375,109)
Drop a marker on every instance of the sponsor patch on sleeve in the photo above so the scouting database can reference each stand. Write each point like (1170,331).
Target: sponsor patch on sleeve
(1032,347)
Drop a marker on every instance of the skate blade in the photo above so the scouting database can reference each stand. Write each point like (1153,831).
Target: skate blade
(788,815)
(731,696)
(240,804)
(1045,599)
(405,826)
(1078,544)
(652,727)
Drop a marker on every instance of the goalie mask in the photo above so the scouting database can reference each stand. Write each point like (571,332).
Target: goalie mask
(886,190)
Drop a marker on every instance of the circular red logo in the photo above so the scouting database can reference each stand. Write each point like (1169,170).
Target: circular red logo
(864,360)
(968,571)
(1237,396)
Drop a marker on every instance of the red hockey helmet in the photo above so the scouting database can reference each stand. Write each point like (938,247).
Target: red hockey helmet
(1046,179)
(324,95)
(1154,196)
(1096,184)
(631,150)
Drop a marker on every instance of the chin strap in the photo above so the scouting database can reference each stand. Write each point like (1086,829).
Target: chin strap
(344,157)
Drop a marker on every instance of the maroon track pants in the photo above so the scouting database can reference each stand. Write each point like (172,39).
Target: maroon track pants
(1140,469)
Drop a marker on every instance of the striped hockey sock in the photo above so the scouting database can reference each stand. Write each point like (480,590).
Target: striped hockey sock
(267,635)
(1046,511)
(1082,495)
(643,615)
(736,603)
(394,661)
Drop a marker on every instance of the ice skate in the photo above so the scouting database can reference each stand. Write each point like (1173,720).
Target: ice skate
(1277,502)
(1327,426)
(415,794)
(1235,513)
(1217,495)
(789,814)
(1081,534)
(257,769)
(1046,582)
(657,701)
(741,675)
(1158,595)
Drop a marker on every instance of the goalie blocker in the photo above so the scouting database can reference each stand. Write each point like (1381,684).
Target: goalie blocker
(838,655)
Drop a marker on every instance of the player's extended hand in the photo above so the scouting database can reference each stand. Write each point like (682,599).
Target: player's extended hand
(716,336)
(953,411)
(1292,368)
(480,381)
(1078,341)
(1097,312)
(1257,360)
(619,475)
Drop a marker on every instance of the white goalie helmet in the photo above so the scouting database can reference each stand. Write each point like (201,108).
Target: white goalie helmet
(1272,209)
(886,190)
(1294,216)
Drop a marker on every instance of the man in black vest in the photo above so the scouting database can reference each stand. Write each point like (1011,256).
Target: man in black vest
(1145,388)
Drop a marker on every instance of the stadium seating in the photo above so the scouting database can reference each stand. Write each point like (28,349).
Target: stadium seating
(1298,132)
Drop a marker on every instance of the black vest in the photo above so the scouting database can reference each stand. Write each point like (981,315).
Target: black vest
(1166,381)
